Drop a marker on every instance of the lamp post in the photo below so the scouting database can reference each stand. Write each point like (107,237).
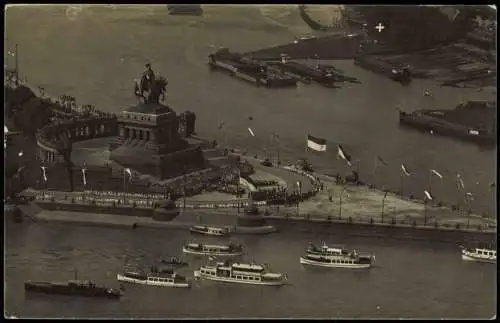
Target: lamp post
(277,137)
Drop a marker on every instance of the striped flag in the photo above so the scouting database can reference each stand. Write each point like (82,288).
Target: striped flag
(343,155)
(433,171)
(251,132)
(83,176)
(404,170)
(460,181)
(44,174)
(129,172)
(315,143)
(428,195)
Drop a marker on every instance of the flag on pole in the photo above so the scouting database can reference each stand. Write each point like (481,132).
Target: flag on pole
(428,195)
(344,156)
(299,185)
(383,162)
(469,196)
(129,172)
(84,177)
(211,258)
(20,154)
(433,171)
(44,174)
(460,181)
(404,170)
(221,125)
(251,132)
(315,143)
(492,186)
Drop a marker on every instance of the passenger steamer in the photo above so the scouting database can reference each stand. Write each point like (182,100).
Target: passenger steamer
(336,258)
(210,231)
(240,273)
(479,254)
(163,278)
(213,250)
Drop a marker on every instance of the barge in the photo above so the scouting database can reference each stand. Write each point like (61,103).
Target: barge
(185,9)
(465,122)
(73,287)
(254,72)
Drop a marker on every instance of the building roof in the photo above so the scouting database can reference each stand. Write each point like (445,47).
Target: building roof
(149,108)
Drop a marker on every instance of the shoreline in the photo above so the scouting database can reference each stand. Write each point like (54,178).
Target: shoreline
(278,223)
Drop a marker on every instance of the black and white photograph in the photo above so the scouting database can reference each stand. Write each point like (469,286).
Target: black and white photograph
(250,161)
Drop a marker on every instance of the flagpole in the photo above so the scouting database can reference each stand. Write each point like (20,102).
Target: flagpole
(401,184)
(425,211)
(124,187)
(383,205)
(17,66)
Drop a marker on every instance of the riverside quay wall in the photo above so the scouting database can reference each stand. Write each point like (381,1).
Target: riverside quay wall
(384,231)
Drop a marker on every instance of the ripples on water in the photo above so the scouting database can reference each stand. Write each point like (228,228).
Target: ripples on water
(409,280)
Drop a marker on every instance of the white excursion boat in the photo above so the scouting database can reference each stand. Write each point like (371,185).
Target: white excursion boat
(336,258)
(164,278)
(479,254)
(210,231)
(213,250)
(240,273)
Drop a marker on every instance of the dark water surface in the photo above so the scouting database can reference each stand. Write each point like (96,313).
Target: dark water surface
(409,279)
(93,54)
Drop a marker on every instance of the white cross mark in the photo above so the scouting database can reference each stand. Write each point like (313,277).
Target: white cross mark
(380,27)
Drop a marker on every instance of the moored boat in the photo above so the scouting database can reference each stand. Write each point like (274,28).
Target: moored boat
(72,287)
(479,254)
(326,256)
(174,261)
(213,250)
(210,231)
(163,278)
(242,273)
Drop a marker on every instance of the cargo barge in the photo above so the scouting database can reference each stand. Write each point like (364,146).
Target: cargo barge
(249,70)
(73,287)
(472,121)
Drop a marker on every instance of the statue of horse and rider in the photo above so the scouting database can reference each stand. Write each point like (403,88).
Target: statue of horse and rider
(150,88)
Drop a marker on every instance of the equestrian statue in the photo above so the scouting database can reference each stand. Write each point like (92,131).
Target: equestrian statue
(150,88)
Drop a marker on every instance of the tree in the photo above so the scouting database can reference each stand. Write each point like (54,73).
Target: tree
(32,115)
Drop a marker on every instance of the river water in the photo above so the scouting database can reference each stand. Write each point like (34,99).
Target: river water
(410,280)
(94,53)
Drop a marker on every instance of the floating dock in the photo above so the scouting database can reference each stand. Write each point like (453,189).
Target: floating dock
(249,70)
(462,123)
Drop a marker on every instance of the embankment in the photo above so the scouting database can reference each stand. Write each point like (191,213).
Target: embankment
(384,231)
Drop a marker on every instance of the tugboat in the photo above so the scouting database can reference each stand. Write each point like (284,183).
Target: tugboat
(210,231)
(213,250)
(241,273)
(72,287)
(174,261)
(336,258)
(162,278)
(479,254)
